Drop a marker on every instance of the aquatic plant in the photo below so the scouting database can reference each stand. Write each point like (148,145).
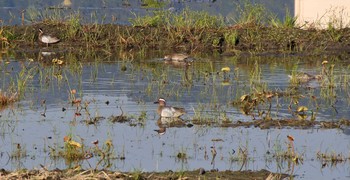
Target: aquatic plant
(18,152)
(3,38)
(154,4)
(7,98)
(333,158)
(185,19)
(136,174)
(74,26)
(73,151)
(251,14)
(231,38)
(289,21)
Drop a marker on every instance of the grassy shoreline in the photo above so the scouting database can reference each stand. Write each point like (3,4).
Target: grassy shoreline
(228,40)
(255,30)
(103,174)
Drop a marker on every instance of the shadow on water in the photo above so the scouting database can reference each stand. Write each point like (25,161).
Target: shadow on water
(99,105)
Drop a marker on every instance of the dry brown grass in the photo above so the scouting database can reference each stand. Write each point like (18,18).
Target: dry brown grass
(7,98)
(90,174)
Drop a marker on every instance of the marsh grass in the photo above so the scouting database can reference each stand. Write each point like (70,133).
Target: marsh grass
(333,158)
(73,151)
(7,98)
(3,38)
(184,20)
(231,38)
(136,174)
(77,152)
(240,156)
(74,26)
(19,151)
(289,21)
(255,30)
(251,15)
(289,154)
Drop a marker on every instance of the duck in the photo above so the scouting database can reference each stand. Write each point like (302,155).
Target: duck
(47,39)
(305,77)
(180,57)
(168,111)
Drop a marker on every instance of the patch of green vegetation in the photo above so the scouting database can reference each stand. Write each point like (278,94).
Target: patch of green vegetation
(154,4)
(74,26)
(289,21)
(251,15)
(254,30)
(185,19)
(231,38)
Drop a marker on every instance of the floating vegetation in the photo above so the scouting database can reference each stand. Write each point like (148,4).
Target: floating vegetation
(120,118)
(331,158)
(74,153)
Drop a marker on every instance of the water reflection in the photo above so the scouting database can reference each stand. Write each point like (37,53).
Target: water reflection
(107,86)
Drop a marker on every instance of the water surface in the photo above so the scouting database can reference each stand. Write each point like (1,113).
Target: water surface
(116,84)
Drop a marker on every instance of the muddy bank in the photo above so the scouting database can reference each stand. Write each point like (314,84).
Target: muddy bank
(90,174)
(226,40)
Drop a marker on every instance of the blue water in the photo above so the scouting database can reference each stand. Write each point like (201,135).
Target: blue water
(120,12)
(199,89)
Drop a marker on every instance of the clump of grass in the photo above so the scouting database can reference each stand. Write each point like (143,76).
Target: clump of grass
(289,21)
(7,98)
(240,156)
(337,18)
(332,158)
(251,15)
(137,174)
(3,38)
(73,26)
(18,152)
(186,18)
(154,4)
(289,154)
(73,151)
(231,38)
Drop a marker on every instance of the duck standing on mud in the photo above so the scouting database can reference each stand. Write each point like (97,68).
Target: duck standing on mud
(47,39)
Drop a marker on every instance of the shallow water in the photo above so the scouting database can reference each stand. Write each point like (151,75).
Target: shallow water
(133,83)
(119,12)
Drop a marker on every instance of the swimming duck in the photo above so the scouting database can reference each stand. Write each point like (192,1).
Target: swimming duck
(177,57)
(47,39)
(168,111)
(305,77)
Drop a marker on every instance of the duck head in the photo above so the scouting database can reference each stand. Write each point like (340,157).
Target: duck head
(160,101)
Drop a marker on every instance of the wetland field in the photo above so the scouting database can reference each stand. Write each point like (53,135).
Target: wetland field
(265,97)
